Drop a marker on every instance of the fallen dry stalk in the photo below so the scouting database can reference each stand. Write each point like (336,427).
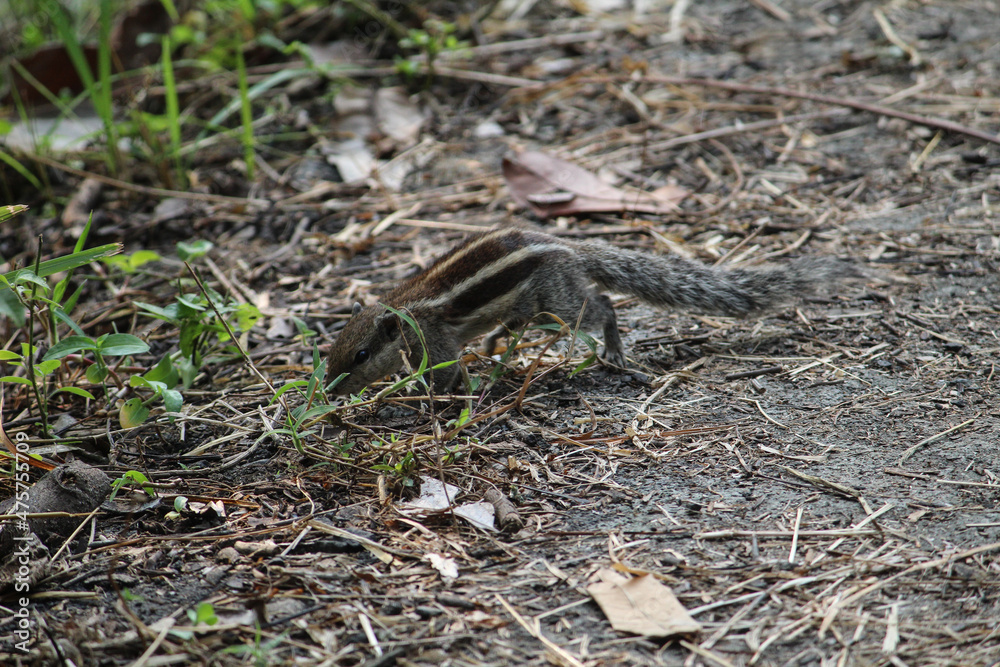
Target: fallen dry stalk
(877,109)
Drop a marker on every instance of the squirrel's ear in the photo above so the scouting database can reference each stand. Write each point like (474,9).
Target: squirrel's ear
(356,309)
(387,323)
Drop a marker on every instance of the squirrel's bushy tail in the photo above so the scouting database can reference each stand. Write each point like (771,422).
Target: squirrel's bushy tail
(669,281)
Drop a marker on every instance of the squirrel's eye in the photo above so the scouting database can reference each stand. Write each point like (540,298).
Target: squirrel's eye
(362,356)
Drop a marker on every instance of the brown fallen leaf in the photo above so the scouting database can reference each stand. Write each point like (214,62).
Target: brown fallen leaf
(641,605)
(550,186)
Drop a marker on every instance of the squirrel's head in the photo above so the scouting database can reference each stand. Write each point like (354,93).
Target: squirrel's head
(368,348)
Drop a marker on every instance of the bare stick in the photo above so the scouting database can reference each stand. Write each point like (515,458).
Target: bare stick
(929,121)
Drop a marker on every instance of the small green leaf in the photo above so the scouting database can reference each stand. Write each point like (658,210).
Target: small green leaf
(23,277)
(164,372)
(45,367)
(193,301)
(15,380)
(11,307)
(129,596)
(76,391)
(180,503)
(9,354)
(303,328)
(168,314)
(96,373)
(172,400)
(60,313)
(586,363)
(70,345)
(318,411)
(141,257)
(132,263)
(247,315)
(139,381)
(193,250)
(205,613)
(117,345)
(132,413)
(188,338)
(135,476)
(188,371)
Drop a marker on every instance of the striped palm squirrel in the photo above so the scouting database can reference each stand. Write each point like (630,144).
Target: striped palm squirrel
(498,280)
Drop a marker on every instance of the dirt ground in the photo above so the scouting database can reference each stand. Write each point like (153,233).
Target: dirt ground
(818,486)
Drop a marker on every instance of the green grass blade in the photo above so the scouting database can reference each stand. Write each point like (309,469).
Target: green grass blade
(105,107)
(246,114)
(100,98)
(173,109)
(8,212)
(254,92)
(60,290)
(53,99)
(21,169)
(72,261)
(171,10)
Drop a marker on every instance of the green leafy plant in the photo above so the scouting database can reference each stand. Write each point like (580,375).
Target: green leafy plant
(201,333)
(462,420)
(107,345)
(402,472)
(203,613)
(132,478)
(180,506)
(300,419)
(136,409)
(129,596)
(189,251)
(35,371)
(24,299)
(434,38)
(131,263)
(501,368)
(587,339)
(204,339)
(260,651)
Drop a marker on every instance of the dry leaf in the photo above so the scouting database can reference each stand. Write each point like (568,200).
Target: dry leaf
(434,497)
(641,605)
(378,553)
(447,567)
(398,116)
(480,515)
(550,186)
